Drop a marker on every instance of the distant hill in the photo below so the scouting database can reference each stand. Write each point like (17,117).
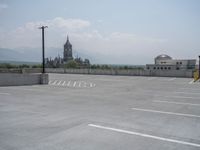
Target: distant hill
(26,54)
(34,54)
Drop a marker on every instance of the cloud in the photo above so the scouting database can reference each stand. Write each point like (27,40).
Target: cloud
(3,6)
(116,47)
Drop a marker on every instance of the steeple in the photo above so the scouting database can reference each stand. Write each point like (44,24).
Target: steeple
(67,42)
(67,54)
(67,39)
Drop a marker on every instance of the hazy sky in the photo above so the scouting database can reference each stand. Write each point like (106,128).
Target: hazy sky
(110,31)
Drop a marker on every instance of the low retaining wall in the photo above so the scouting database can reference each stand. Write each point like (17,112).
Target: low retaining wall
(127,72)
(16,79)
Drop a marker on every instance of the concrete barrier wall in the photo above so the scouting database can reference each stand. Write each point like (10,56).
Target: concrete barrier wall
(127,72)
(15,79)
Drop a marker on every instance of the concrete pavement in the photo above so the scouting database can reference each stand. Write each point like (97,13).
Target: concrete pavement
(101,112)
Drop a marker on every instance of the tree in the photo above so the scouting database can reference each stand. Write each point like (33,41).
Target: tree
(71,64)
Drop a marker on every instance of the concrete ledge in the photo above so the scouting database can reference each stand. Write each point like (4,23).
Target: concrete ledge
(127,72)
(16,79)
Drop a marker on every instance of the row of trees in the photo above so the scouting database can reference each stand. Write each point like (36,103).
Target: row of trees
(71,64)
(12,66)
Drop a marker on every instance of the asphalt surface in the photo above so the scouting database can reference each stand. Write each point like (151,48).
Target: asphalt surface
(91,112)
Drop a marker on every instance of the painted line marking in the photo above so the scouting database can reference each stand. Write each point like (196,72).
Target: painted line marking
(185,97)
(59,82)
(151,78)
(54,82)
(68,83)
(74,84)
(166,112)
(172,79)
(79,85)
(50,82)
(63,84)
(84,84)
(188,92)
(145,135)
(4,93)
(91,85)
(191,82)
(178,103)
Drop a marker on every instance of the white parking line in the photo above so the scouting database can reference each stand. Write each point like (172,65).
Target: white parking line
(68,83)
(172,79)
(4,93)
(189,92)
(84,84)
(63,84)
(178,103)
(181,97)
(165,112)
(74,84)
(91,85)
(59,82)
(79,85)
(151,78)
(50,82)
(54,82)
(145,135)
(191,82)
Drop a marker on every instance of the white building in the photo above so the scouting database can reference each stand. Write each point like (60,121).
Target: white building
(165,62)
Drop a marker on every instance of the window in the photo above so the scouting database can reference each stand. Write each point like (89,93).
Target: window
(165,68)
(177,63)
(147,67)
(154,68)
(158,68)
(169,68)
(177,68)
(161,68)
(180,62)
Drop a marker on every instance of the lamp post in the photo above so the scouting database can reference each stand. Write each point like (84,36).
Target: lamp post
(199,66)
(43,57)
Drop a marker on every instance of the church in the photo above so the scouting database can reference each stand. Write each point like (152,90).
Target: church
(67,57)
(67,54)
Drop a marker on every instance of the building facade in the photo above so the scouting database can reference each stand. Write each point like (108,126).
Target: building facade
(165,62)
(67,54)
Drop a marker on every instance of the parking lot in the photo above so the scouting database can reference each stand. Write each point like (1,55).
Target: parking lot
(97,112)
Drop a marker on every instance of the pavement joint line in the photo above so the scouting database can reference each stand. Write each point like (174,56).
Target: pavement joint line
(145,135)
(166,112)
(4,93)
(178,103)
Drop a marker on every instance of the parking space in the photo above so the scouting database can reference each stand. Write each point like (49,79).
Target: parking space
(101,112)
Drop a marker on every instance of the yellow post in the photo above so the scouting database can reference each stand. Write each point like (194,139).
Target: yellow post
(196,75)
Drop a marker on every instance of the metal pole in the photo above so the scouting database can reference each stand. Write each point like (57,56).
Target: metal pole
(199,66)
(43,59)
(43,54)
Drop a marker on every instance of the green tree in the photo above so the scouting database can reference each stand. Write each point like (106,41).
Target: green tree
(71,64)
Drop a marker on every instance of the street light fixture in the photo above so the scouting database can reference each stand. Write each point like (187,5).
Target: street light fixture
(43,57)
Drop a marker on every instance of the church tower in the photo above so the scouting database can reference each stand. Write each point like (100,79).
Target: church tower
(67,55)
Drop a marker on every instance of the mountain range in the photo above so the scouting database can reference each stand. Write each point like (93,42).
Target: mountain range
(35,54)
